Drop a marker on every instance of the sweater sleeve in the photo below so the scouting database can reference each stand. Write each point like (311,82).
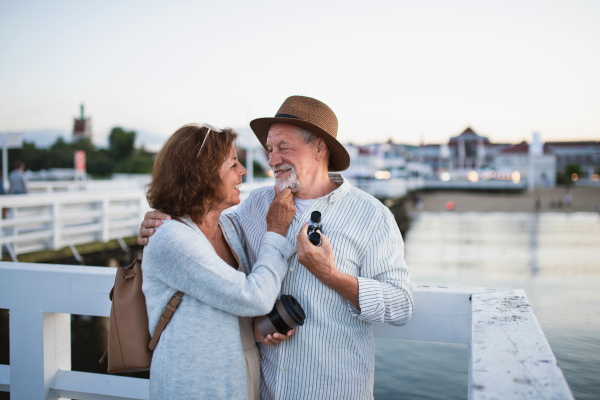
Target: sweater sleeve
(185,261)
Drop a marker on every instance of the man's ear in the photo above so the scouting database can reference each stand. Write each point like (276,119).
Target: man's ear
(321,147)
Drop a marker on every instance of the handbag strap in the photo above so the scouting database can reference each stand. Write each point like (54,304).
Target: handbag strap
(166,318)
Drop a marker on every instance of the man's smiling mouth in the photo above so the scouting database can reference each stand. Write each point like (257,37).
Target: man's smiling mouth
(282,171)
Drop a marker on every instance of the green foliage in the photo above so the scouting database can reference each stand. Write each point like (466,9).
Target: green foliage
(120,143)
(120,157)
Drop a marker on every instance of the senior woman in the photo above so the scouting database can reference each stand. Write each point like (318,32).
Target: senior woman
(208,351)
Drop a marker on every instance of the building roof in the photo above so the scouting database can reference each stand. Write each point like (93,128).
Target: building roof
(469,135)
(521,148)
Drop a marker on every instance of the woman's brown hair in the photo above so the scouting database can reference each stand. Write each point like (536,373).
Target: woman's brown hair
(185,180)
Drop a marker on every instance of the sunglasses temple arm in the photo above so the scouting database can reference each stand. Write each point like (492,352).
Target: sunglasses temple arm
(202,145)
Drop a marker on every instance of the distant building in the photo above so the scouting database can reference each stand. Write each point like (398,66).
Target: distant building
(467,151)
(82,127)
(516,158)
(586,154)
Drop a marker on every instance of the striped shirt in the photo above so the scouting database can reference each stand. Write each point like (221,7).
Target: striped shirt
(332,355)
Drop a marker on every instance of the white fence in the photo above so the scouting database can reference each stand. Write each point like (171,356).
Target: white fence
(104,185)
(388,188)
(36,222)
(509,357)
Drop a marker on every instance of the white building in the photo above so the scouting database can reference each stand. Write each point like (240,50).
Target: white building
(516,159)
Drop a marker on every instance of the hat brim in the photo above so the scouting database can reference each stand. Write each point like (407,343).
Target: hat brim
(339,159)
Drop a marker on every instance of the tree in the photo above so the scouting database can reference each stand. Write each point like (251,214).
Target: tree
(121,143)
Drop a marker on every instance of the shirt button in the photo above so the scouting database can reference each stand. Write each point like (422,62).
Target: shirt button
(291,269)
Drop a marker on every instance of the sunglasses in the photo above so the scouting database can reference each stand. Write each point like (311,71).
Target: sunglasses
(210,128)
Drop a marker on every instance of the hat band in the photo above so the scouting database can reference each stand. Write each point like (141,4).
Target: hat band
(286,116)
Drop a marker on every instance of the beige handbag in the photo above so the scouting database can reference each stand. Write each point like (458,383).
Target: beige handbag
(129,344)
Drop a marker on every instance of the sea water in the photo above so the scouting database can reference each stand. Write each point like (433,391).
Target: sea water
(555,258)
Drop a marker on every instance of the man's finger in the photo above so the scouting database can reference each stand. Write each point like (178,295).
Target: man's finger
(146,232)
(156,215)
(304,229)
(151,223)
(276,191)
(142,241)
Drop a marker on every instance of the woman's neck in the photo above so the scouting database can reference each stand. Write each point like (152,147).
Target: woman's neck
(210,224)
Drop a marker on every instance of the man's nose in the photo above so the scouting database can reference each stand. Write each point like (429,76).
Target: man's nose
(275,159)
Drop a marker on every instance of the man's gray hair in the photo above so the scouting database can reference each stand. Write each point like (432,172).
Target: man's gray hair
(309,138)
(306,135)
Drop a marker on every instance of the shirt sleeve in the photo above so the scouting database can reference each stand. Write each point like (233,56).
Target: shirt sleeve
(384,287)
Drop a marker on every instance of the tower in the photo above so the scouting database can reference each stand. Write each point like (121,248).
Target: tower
(82,127)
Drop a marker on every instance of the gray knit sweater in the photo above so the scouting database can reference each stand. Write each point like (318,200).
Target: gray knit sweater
(200,354)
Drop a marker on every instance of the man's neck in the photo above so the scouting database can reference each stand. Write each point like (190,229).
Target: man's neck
(317,186)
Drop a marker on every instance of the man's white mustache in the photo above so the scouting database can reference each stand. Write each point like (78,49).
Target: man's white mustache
(283,167)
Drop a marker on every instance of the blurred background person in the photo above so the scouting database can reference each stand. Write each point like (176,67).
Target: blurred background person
(18,182)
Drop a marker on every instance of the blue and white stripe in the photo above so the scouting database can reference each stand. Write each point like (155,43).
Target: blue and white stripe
(332,355)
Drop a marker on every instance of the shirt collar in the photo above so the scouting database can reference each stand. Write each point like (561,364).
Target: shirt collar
(340,191)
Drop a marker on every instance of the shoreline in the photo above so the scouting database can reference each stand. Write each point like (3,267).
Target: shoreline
(584,199)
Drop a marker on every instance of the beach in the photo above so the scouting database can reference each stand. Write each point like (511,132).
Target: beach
(584,199)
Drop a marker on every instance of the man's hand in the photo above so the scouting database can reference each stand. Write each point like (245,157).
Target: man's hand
(152,220)
(281,212)
(320,262)
(271,340)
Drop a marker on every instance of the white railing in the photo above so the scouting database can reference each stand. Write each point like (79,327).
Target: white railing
(100,185)
(509,357)
(37,222)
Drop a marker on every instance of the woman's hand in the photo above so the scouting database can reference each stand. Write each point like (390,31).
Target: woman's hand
(271,340)
(152,220)
(281,212)
(318,260)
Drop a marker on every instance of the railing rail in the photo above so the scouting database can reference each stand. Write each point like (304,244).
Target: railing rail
(51,221)
(509,356)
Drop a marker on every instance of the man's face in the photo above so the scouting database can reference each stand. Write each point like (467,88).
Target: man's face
(289,157)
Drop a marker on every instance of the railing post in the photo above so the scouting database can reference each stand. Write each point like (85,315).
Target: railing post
(105,219)
(55,226)
(40,345)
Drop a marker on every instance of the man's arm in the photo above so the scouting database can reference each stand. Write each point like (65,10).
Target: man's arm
(383,291)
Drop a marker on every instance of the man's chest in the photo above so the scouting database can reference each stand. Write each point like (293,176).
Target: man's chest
(347,235)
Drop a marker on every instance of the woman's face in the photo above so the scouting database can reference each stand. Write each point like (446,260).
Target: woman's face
(231,175)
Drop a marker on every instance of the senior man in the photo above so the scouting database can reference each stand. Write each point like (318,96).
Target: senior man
(357,277)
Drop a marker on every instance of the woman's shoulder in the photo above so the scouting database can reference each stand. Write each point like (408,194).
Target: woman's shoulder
(172,231)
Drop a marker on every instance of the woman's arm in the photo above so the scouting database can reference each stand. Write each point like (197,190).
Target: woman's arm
(185,261)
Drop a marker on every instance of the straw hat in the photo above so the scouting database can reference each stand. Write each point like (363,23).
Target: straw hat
(310,114)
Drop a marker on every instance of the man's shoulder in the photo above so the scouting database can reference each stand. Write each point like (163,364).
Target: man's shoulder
(355,195)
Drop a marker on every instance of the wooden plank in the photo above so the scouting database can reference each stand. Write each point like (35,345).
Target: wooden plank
(87,386)
(440,316)
(4,378)
(56,288)
(510,357)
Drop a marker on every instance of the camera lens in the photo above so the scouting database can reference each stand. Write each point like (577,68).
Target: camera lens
(285,316)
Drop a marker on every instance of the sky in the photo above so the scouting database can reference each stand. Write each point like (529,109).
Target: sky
(412,71)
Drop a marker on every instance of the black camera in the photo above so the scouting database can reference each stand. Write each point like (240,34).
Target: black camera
(313,226)
(285,316)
